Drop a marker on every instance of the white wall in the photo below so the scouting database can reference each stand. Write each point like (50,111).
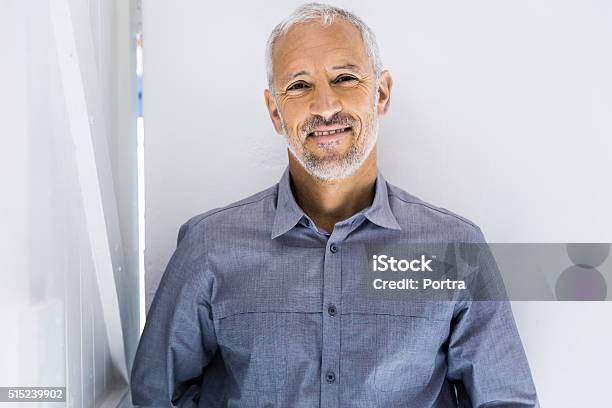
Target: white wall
(500,112)
(56,327)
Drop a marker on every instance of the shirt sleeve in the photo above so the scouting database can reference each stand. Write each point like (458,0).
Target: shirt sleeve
(178,340)
(486,359)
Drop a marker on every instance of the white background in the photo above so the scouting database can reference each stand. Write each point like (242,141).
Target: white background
(67,96)
(500,112)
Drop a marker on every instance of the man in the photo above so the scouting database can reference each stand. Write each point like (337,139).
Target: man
(261,306)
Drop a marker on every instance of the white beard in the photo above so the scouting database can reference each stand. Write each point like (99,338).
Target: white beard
(337,167)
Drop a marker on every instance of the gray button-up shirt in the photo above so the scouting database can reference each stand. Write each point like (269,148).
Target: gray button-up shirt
(259,308)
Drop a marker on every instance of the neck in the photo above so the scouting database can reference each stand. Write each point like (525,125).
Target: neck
(328,202)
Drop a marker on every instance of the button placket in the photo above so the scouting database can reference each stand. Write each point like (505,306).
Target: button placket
(331,322)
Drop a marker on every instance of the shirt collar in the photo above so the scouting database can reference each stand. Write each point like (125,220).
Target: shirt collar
(288,212)
(380,212)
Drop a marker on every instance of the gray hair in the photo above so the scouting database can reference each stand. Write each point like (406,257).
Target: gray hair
(326,14)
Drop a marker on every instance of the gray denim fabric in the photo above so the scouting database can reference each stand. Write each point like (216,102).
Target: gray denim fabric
(242,317)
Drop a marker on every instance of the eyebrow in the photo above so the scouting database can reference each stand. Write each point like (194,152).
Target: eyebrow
(297,74)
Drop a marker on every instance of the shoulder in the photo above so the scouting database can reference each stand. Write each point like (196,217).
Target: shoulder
(255,206)
(412,211)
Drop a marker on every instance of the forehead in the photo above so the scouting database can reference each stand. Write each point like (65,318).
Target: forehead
(311,44)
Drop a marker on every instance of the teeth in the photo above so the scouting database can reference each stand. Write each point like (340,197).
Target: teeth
(330,132)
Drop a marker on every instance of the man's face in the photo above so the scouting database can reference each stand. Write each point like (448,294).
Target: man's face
(327,100)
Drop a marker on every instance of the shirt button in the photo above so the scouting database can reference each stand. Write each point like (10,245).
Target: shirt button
(333,248)
(332,310)
(330,377)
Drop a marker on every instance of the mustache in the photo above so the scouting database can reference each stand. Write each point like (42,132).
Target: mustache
(338,119)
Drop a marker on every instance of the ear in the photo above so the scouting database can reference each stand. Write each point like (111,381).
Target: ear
(385,83)
(273,111)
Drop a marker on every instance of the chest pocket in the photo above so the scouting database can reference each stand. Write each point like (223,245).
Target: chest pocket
(409,342)
(254,349)
(265,300)
(407,349)
(254,340)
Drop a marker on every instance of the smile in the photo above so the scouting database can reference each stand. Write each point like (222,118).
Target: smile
(328,132)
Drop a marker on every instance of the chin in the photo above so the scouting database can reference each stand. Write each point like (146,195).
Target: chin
(335,175)
(334,170)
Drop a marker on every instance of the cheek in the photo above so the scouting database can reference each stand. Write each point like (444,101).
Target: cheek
(359,99)
(360,103)
(294,113)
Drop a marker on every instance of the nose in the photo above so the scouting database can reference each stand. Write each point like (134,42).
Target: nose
(325,102)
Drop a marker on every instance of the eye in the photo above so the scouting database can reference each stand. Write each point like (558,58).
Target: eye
(345,79)
(297,86)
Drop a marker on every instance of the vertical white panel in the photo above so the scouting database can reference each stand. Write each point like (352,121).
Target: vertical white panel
(122,108)
(101,357)
(31,244)
(92,169)
(14,242)
(87,295)
(49,299)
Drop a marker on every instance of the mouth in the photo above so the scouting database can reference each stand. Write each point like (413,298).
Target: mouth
(328,130)
(327,135)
